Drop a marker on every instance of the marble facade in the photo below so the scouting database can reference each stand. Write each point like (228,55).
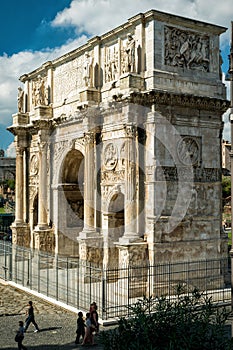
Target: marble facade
(118,146)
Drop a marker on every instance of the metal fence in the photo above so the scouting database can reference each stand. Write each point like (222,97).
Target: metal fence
(78,283)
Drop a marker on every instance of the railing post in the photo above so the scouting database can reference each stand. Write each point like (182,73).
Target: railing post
(128,284)
(5,260)
(57,279)
(38,266)
(67,281)
(104,280)
(78,282)
(10,263)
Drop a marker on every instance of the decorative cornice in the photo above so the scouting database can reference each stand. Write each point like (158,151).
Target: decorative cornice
(43,124)
(171,99)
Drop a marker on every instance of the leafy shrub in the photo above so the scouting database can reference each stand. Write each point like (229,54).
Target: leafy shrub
(188,322)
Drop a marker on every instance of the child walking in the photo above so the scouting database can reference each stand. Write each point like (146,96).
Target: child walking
(80,327)
(88,338)
(20,336)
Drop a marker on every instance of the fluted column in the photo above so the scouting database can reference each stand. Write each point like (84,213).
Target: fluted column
(130,233)
(19,205)
(42,210)
(89,172)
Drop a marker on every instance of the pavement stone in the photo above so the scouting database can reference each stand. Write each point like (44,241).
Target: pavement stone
(57,325)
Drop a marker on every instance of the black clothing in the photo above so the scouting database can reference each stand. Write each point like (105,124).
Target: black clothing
(80,329)
(94,320)
(30,319)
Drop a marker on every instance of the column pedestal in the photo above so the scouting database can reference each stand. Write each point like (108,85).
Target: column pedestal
(44,239)
(20,234)
(133,265)
(91,250)
(91,254)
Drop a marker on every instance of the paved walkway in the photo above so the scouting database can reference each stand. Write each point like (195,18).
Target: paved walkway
(57,325)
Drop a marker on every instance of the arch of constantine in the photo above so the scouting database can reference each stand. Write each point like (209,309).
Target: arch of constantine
(118,146)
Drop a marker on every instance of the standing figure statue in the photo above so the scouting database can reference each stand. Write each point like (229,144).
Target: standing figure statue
(20,99)
(87,67)
(130,53)
(40,92)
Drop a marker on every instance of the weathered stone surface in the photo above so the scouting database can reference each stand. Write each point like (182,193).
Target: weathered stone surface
(118,142)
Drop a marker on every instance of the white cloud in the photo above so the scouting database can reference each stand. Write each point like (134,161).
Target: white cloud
(98,16)
(12,67)
(95,17)
(10,152)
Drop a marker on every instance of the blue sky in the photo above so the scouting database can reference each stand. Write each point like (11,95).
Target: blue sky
(33,32)
(26,25)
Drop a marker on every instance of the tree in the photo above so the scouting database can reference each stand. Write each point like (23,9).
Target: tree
(226,186)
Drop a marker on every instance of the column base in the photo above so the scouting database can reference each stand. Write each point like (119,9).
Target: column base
(129,238)
(42,227)
(88,234)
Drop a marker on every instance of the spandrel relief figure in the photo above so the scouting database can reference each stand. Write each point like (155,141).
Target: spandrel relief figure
(87,70)
(20,99)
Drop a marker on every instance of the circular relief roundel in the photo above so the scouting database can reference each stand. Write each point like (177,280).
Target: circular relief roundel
(110,156)
(188,150)
(34,165)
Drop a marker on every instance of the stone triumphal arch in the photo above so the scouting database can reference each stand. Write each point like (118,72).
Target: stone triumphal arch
(118,146)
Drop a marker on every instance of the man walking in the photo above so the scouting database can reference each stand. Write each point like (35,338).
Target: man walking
(30,318)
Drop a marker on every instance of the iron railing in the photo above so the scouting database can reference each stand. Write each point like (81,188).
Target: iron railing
(77,283)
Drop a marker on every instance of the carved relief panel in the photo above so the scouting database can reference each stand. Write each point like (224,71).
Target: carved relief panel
(68,78)
(186,49)
(111,66)
(113,171)
(33,169)
(119,58)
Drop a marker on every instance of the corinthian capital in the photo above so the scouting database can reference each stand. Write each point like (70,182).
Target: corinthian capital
(89,138)
(130,130)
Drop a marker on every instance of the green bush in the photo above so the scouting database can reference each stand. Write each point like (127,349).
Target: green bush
(189,322)
(226,186)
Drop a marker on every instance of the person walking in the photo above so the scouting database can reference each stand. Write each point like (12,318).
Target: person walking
(94,317)
(20,336)
(30,318)
(80,327)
